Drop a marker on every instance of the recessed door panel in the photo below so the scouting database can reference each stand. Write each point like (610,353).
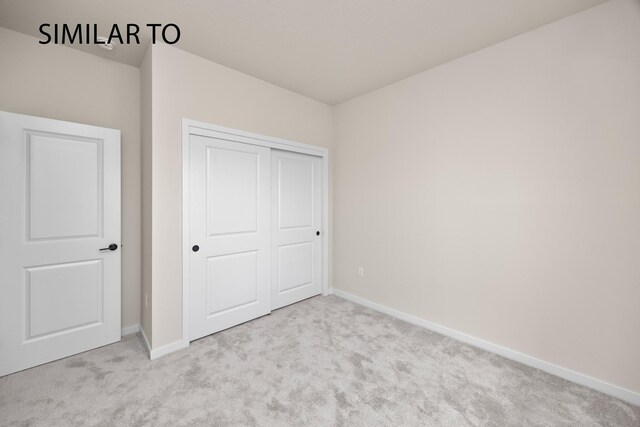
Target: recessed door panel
(60,204)
(296,242)
(295,266)
(241,270)
(63,297)
(230,226)
(295,192)
(64,186)
(232,191)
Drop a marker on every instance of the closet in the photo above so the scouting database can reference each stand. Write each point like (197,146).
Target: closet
(253,237)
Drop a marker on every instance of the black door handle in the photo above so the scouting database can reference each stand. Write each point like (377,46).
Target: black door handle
(317,233)
(111,247)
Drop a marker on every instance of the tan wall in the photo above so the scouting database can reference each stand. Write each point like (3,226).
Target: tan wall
(187,86)
(65,84)
(146,82)
(499,194)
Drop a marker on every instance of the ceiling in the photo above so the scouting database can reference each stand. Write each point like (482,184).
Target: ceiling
(329,50)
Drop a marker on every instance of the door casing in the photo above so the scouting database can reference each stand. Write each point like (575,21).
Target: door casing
(192,127)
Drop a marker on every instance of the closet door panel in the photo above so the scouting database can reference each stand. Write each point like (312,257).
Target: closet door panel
(296,211)
(230,234)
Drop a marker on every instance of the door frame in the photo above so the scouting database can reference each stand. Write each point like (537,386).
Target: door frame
(193,127)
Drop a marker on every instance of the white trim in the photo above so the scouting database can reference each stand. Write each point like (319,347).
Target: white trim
(145,341)
(185,232)
(326,290)
(192,127)
(166,349)
(130,330)
(162,351)
(229,134)
(573,376)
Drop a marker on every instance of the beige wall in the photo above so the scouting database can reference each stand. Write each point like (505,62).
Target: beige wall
(146,84)
(499,194)
(187,86)
(65,84)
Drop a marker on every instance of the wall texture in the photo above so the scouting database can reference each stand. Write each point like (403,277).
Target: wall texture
(499,194)
(187,86)
(66,84)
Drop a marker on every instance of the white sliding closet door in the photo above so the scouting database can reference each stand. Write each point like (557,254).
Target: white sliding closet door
(297,216)
(229,234)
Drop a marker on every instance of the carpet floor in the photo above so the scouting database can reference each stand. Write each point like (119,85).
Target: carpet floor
(324,361)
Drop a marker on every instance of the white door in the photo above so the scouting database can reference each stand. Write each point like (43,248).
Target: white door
(297,215)
(229,234)
(59,205)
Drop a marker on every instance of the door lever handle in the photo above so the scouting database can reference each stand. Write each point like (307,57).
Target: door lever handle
(111,247)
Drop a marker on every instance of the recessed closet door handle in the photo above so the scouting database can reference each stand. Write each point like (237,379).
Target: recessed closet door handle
(111,247)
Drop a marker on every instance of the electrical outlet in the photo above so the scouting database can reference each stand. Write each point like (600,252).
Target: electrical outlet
(361,272)
(146,301)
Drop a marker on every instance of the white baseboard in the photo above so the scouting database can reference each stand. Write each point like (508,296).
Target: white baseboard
(146,341)
(166,349)
(576,377)
(130,330)
(162,351)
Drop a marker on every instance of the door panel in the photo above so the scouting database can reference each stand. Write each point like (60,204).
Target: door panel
(296,249)
(60,192)
(63,296)
(241,270)
(295,192)
(63,186)
(231,208)
(230,223)
(295,266)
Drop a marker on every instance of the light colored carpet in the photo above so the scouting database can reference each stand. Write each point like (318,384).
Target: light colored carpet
(324,361)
